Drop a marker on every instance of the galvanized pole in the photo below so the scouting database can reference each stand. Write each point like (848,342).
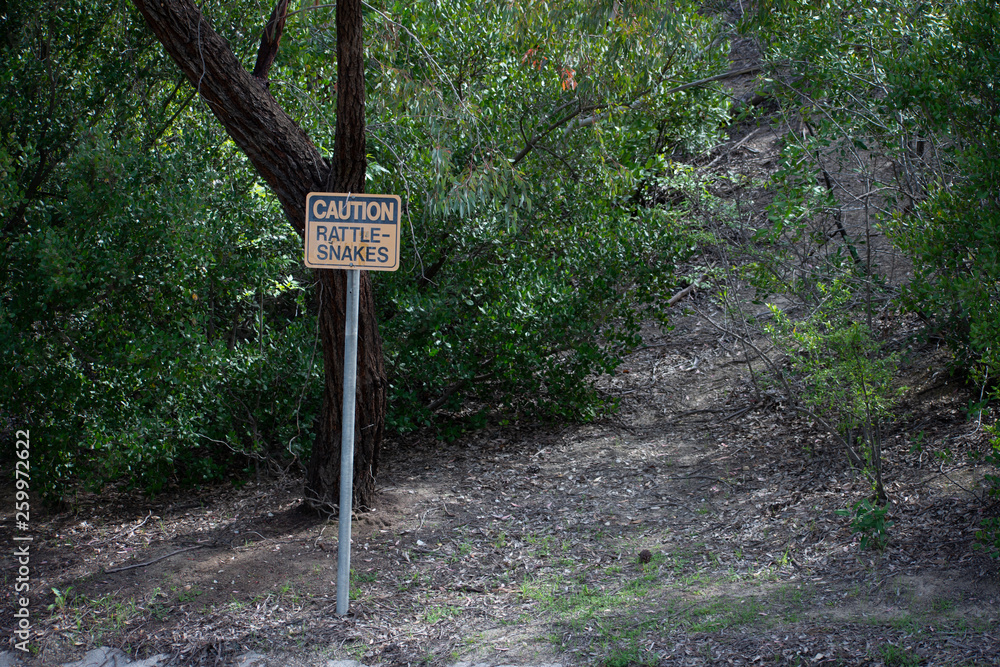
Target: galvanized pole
(347,442)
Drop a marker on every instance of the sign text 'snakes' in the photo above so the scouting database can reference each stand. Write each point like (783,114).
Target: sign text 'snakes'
(352,231)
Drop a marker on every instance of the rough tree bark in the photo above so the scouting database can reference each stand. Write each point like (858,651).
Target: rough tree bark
(292,166)
(348,175)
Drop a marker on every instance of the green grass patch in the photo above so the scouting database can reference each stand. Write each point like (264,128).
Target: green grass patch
(724,613)
(435,614)
(895,656)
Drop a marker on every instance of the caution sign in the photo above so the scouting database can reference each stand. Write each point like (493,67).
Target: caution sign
(352,231)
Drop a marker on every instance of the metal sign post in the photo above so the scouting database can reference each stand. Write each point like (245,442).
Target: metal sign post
(351,232)
(347,442)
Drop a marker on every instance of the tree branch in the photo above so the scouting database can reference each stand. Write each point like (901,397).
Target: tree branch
(717,77)
(279,149)
(538,137)
(590,120)
(349,148)
(154,560)
(270,40)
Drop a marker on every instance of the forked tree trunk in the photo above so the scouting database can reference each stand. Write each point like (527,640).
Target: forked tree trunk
(292,166)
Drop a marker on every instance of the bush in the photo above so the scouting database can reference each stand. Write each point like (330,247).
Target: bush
(988,534)
(531,259)
(151,300)
(841,372)
(950,80)
(149,342)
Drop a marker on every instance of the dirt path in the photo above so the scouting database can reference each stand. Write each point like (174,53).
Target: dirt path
(524,545)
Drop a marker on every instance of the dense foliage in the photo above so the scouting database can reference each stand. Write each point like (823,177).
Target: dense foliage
(949,81)
(152,300)
(527,277)
(148,308)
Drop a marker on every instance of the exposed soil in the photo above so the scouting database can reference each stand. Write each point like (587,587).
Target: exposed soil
(521,545)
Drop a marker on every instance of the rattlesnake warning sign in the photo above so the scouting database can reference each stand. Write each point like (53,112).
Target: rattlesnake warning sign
(352,231)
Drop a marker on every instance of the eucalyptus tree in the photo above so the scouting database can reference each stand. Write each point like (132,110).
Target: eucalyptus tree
(292,166)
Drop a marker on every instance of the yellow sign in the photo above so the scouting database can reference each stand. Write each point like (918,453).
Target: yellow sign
(352,231)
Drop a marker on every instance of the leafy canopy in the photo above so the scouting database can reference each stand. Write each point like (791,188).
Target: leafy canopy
(153,297)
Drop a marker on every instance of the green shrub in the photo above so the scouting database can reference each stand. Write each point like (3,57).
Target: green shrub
(152,307)
(988,535)
(841,372)
(870,521)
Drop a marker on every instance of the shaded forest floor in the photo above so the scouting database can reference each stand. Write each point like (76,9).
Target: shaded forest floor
(521,545)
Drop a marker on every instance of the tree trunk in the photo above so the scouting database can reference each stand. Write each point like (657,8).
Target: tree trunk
(348,175)
(292,166)
(323,476)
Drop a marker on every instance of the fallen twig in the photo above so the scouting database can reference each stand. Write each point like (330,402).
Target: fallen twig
(738,145)
(118,534)
(683,293)
(155,560)
(737,413)
(140,525)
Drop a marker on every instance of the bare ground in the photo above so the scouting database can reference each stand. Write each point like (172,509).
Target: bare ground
(521,545)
